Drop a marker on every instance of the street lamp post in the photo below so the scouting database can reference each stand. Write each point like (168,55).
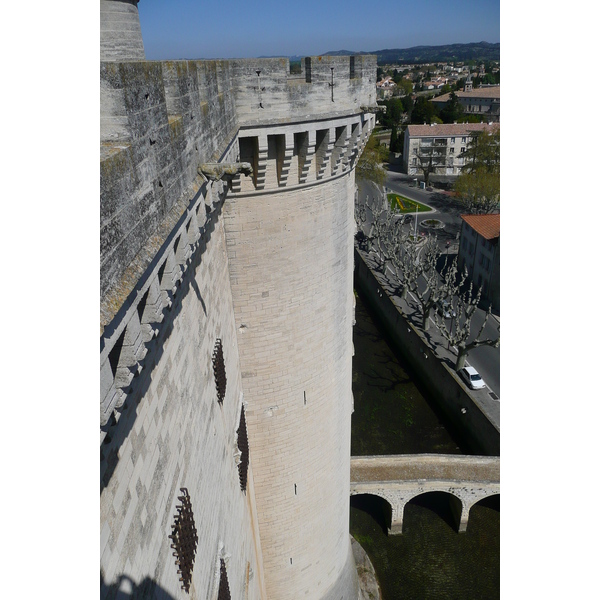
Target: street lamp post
(416,217)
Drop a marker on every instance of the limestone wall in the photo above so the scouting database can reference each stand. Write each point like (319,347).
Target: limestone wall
(159,120)
(265,265)
(290,256)
(266,93)
(171,433)
(120,32)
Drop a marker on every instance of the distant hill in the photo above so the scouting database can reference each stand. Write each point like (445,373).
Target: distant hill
(446,53)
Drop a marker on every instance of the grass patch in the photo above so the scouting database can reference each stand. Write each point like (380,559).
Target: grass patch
(363,540)
(405,205)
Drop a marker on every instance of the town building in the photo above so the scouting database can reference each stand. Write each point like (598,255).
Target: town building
(437,149)
(479,253)
(386,88)
(483,101)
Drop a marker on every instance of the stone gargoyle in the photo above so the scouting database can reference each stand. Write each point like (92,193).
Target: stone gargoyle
(225,171)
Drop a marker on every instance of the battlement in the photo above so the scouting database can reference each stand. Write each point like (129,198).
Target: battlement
(161,119)
(227,193)
(266,93)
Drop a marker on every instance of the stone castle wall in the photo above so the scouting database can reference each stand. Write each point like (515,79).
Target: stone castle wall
(294,316)
(263,263)
(172,432)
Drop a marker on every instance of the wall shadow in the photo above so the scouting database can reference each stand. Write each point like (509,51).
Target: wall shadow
(118,429)
(439,503)
(124,588)
(491,502)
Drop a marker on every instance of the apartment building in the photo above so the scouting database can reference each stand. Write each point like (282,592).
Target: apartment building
(437,149)
(479,252)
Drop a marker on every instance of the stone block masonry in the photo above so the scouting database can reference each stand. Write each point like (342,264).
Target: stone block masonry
(263,263)
(291,276)
(173,433)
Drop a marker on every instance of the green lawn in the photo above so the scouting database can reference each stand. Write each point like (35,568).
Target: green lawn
(404,205)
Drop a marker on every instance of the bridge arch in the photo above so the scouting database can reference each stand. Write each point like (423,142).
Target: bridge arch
(400,478)
(447,505)
(376,505)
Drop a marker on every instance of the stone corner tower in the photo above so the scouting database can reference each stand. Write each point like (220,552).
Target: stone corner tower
(120,31)
(227,313)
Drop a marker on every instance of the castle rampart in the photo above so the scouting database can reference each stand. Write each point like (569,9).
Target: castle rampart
(226,314)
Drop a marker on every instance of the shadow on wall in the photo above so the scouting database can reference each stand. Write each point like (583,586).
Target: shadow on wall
(125,588)
(117,432)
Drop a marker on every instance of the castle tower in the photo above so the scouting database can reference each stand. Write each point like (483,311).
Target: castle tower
(226,322)
(290,253)
(120,31)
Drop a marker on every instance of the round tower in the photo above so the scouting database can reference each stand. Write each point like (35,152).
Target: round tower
(290,253)
(120,31)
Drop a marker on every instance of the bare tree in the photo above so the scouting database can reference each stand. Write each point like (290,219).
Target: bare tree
(381,231)
(458,336)
(411,267)
(380,226)
(438,286)
(403,264)
(406,264)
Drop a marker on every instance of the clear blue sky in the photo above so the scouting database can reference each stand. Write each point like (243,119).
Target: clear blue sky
(238,29)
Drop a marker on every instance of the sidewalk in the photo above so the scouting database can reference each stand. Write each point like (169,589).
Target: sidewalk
(411,311)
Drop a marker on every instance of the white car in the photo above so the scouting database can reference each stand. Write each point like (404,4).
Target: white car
(444,308)
(472,378)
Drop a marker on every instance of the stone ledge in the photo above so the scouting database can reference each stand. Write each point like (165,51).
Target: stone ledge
(367,578)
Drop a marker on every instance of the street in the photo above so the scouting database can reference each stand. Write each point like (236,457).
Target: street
(485,359)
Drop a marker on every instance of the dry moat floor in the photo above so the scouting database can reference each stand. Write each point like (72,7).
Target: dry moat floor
(430,560)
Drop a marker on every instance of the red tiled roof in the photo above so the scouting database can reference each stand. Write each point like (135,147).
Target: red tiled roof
(487,226)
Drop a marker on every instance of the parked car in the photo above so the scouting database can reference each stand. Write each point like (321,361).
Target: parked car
(472,378)
(444,308)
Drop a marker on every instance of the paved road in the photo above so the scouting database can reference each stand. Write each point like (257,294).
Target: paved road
(484,358)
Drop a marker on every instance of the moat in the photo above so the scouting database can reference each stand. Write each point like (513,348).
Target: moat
(430,560)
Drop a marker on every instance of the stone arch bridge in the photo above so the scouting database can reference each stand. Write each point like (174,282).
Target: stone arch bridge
(400,478)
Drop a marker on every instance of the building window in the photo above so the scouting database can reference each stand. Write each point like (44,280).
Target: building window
(463,140)
(452,140)
(451,150)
